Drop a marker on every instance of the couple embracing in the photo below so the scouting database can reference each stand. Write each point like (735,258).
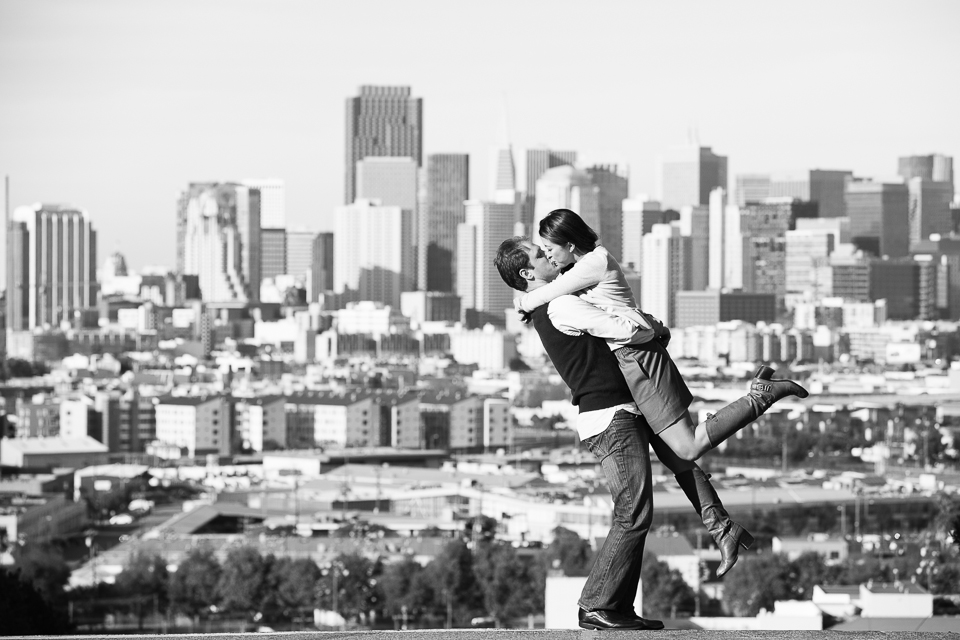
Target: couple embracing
(630,397)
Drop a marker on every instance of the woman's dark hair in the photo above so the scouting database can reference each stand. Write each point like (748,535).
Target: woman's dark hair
(562,226)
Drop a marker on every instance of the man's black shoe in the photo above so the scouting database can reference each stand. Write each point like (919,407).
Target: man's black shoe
(605,619)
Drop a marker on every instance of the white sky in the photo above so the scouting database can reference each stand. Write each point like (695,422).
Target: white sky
(114,106)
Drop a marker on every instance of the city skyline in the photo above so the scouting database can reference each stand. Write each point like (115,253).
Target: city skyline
(132,117)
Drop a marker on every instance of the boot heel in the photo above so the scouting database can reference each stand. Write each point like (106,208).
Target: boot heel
(746,539)
(764,373)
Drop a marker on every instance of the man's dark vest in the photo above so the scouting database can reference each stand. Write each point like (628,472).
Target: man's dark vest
(585,363)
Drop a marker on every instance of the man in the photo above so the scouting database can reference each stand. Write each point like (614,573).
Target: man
(609,424)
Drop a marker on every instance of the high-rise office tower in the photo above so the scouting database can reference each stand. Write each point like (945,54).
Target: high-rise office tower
(483,295)
(764,228)
(300,254)
(879,217)
(273,253)
(273,207)
(805,261)
(796,187)
(638,217)
(375,253)
(381,121)
(752,187)
(613,183)
(51,266)
(929,208)
(321,267)
(448,187)
(688,174)
(534,163)
(503,177)
(851,274)
(897,281)
(695,224)
(391,180)
(935,167)
(666,260)
(828,190)
(566,187)
(725,242)
(945,252)
(220,240)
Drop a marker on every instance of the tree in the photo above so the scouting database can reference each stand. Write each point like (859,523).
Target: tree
(947,521)
(665,592)
(403,592)
(242,582)
(24,611)
(351,586)
(193,587)
(508,583)
(145,575)
(569,553)
(758,582)
(43,566)
(460,596)
(18,368)
(808,571)
(360,529)
(292,586)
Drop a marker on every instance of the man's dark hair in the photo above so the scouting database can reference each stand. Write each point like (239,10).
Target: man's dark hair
(563,226)
(511,258)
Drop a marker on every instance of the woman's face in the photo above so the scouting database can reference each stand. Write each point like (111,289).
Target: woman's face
(559,254)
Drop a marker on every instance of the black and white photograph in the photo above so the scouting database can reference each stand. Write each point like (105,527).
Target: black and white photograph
(513,318)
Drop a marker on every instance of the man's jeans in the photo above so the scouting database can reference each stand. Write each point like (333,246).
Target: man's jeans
(623,450)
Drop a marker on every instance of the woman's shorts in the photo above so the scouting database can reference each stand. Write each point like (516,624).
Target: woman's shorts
(655,383)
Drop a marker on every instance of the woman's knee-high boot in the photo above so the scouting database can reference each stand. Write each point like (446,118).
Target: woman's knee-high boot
(728,535)
(763,393)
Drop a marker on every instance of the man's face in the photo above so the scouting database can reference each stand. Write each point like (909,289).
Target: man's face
(541,267)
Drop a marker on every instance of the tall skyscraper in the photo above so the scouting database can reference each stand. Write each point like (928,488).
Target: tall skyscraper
(725,243)
(273,253)
(219,240)
(929,208)
(273,207)
(381,121)
(321,268)
(688,174)
(566,187)
(613,184)
(695,224)
(764,228)
(752,187)
(806,261)
(394,182)
(51,266)
(879,217)
(375,253)
(448,188)
(534,163)
(666,260)
(796,187)
(935,167)
(391,180)
(828,189)
(483,295)
(638,217)
(504,174)
(300,254)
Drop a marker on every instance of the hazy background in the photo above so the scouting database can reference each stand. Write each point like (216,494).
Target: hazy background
(114,106)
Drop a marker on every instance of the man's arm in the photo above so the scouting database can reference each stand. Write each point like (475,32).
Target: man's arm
(573,316)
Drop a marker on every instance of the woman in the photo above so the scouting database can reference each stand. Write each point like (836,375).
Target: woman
(655,383)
